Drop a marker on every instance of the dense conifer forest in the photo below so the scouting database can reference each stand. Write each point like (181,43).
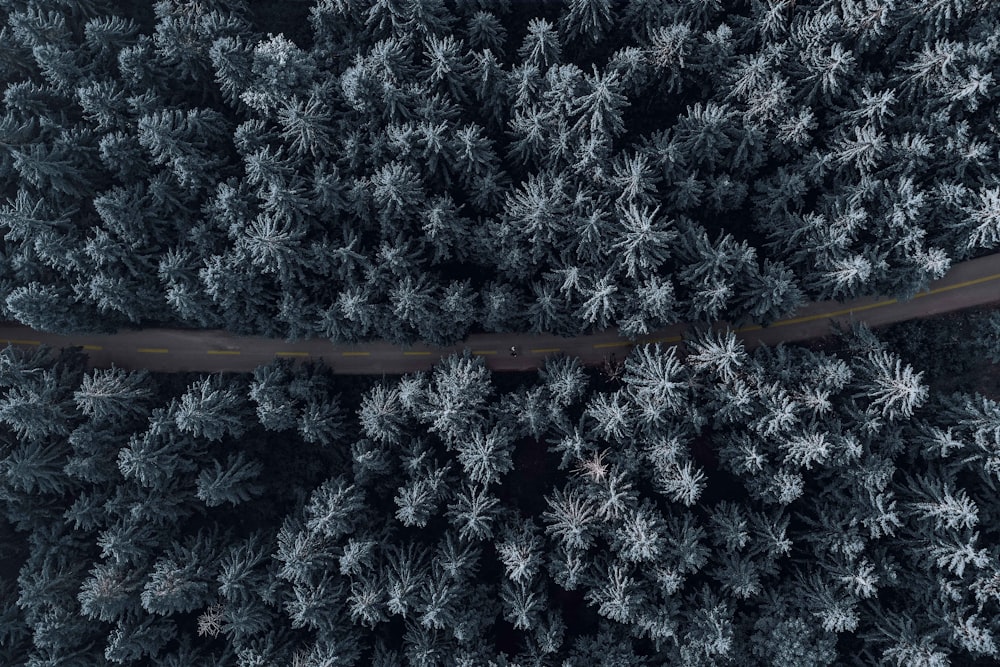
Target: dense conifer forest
(703,506)
(420,169)
(410,170)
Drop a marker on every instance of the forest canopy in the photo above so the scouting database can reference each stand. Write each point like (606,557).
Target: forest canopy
(420,169)
(706,506)
(407,170)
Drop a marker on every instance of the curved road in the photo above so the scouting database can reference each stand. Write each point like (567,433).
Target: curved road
(972,283)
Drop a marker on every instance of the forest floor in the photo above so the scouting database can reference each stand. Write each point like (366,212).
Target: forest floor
(988,383)
(979,375)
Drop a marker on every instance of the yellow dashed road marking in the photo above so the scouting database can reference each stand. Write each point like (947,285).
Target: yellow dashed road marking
(878,304)
(671,339)
(543,350)
(484,352)
(623,343)
(222,352)
(92,347)
(14,341)
(291,354)
(967,283)
(355,354)
(153,350)
(835,313)
(416,353)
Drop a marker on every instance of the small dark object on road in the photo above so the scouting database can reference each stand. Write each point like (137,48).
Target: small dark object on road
(513,350)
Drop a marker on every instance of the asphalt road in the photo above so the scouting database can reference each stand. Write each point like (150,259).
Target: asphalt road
(972,283)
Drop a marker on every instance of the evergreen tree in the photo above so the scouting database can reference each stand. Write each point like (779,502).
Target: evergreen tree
(896,390)
(183,141)
(485,31)
(571,518)
(587,18)
(502,307)
(322,422)
(382,415)
(600,109)
(211,410)
(653,308)
(108,593)
(486,456)
(275,407)
(718,353)
(333,508)
(982,220)
(656,382)
(134,639)
(48,167)
(113,395)
(772,293)
(456,398)
(36,408)
(541,46)
(611,417)
(564,379)
(174,587)
(278,67)
(645,243)
(230,483)
(474,513)
(34,467)
(600,303)
(547,313)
